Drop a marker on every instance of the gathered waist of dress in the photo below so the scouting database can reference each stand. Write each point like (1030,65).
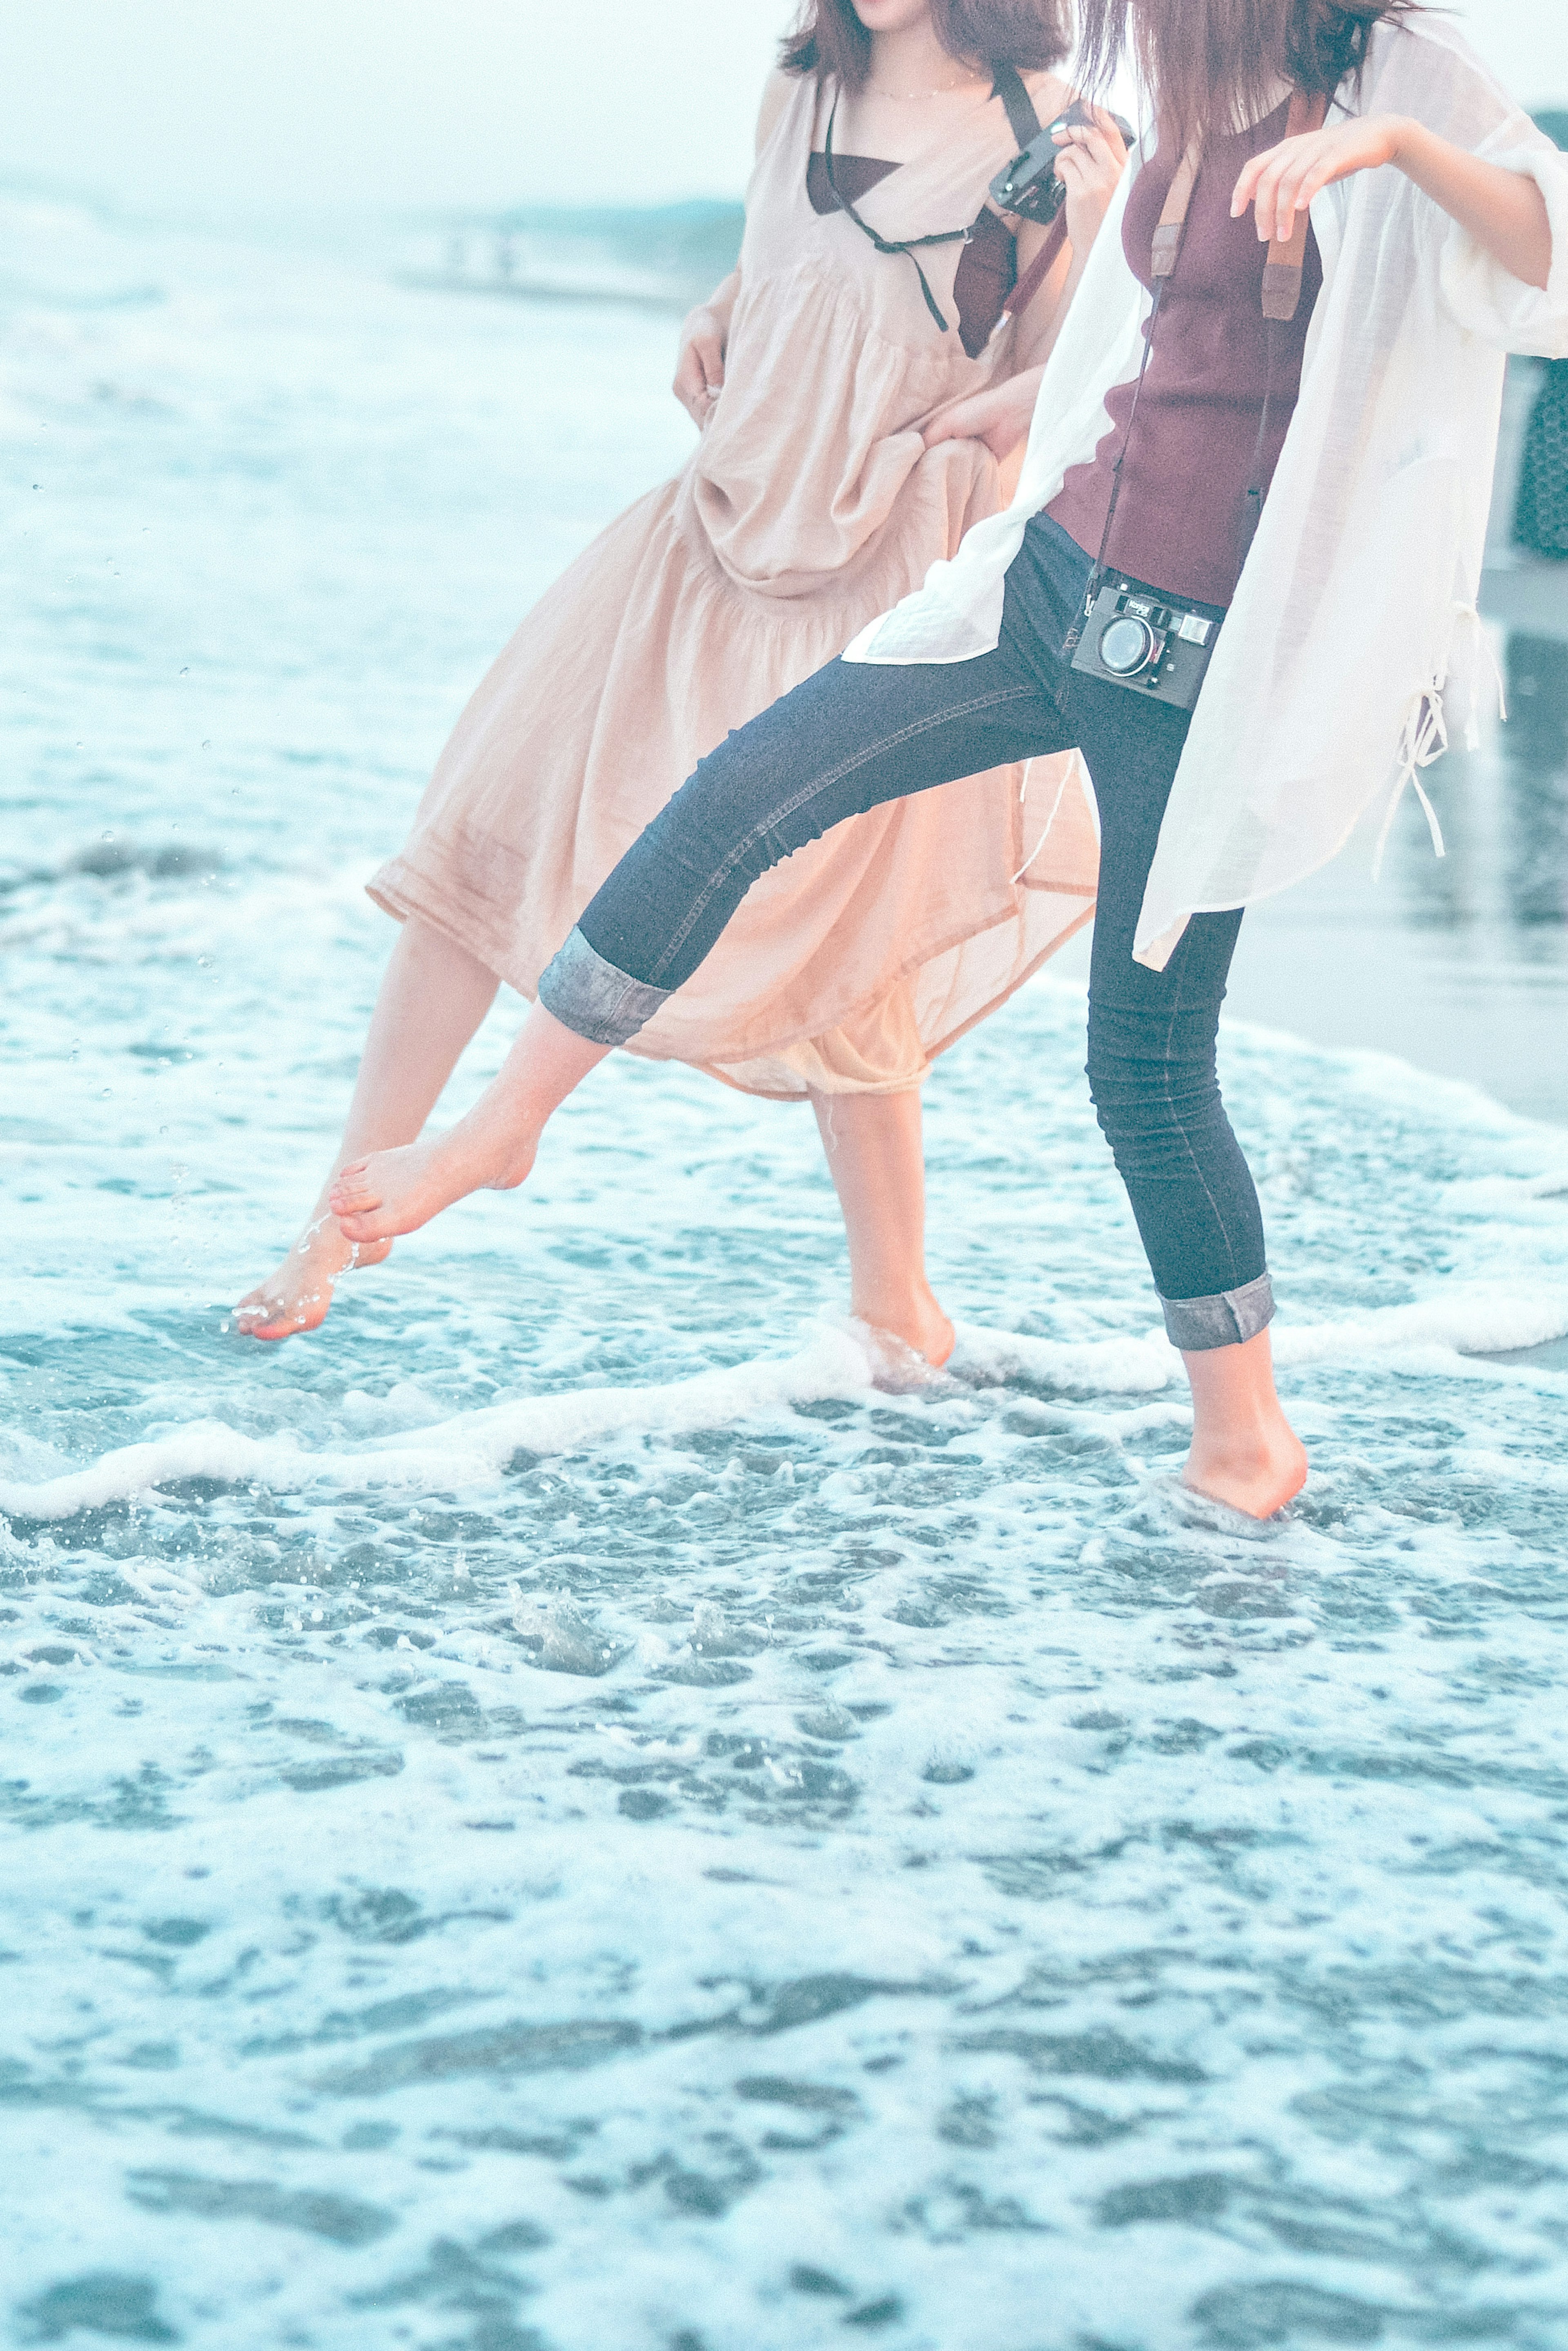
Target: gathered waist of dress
(856,551)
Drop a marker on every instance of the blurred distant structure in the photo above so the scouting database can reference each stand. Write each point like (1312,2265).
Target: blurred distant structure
(663,257)
(1540,505)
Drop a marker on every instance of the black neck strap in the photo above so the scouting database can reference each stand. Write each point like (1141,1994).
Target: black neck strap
(889,245)
(1008,84)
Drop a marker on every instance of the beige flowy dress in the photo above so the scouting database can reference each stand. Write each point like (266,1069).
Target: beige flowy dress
(809,505)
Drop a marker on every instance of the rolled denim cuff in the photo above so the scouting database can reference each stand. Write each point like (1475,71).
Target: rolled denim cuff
(1229,1319)
(592,997)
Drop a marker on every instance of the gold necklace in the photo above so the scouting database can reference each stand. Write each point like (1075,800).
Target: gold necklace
(905,97)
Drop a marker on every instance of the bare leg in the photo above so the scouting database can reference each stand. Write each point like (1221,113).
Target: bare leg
(432,997)
(878,1170)
(390,1192)
(1244,1451)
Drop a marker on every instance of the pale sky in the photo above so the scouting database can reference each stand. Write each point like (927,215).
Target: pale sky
(236,108)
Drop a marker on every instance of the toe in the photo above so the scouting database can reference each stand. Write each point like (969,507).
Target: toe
(359,1225)
(354,1199)
(256,1313)
(260,1325)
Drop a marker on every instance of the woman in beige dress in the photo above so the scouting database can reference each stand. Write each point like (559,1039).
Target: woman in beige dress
(812,502)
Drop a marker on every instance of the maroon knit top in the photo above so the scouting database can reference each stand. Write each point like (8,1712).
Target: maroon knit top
(1191,456)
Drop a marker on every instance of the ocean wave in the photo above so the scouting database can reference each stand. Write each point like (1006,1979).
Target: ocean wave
(473,1446)
(563,284)
(111,860)
(1451,1332)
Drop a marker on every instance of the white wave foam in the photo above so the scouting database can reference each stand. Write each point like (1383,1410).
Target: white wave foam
(1465,1321)
(1106,1366)
(454,1453)
(1439,1331)
(1475,1320)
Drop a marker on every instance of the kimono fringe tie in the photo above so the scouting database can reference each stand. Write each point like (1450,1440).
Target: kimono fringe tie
(1423,739)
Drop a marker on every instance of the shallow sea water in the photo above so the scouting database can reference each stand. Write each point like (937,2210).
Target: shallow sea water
(554,1815)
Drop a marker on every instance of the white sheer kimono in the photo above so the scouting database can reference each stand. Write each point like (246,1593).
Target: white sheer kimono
(1355,614)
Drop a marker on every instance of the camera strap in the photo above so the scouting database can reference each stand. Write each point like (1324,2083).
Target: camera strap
(1039,269)
(1166,252)
(1007,84)
(1281,299)
(1283,274)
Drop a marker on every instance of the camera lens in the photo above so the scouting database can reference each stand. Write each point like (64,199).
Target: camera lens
(1127,646)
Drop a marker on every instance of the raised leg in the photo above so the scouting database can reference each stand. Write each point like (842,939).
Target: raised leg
(432,997)
(877,1165)
(848,739)
(490,1150)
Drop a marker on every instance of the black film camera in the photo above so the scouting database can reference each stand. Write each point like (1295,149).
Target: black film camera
(1030,187)
(1151,643)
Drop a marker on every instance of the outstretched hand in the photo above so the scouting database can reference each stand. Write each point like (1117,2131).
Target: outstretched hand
(1503,209)
(1280,184)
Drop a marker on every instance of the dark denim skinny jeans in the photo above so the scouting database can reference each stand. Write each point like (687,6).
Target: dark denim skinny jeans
(858,735)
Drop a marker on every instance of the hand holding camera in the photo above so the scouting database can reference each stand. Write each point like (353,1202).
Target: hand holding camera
(1076,160)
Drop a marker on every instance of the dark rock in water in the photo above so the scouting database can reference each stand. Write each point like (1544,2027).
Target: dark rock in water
(496,2050)
(176,1934)
(643,1804)
(883,2312)
(1199,2196)
(341,2219)
(811,1998)
(172,861)
(1247,2317)
(805,2279)
(1104,2057)
(101,2303)
(450,1710)
(662,256)
(706,1673)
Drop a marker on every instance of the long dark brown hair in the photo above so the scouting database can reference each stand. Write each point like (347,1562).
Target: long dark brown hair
(829,39)
(1212,65)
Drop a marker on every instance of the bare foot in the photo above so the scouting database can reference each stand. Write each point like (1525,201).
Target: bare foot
(931,1333)
(298,1295)
(909,1344)
(896,1368)
(392,1192)
(1257,1476)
